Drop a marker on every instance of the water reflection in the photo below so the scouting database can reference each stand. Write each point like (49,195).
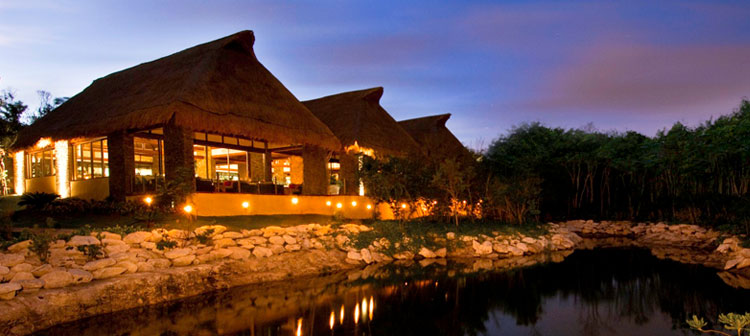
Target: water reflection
(601,292)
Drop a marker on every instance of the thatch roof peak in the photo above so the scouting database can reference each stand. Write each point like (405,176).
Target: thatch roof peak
(436,139)
(218,87)
(356,117)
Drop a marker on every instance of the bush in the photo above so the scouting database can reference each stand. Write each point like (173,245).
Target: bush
(40,245)
(37,200)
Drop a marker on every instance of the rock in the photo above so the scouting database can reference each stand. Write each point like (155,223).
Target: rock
(145,267)
(450,236)
(276,240)
(110,235)
(528,240)
(177,253)
(81,276)
(30,286)
(354,255)
(224,242)
(220,253)
(233,235)
(108,272)
(246,243)
(8,290)
(342,240)
(184,260)
(515,251)
(366,255)
(483,248)
(425,252)
(57,279)
(272,230)
(3,271)
(178,234)
(117,248)
(262,252)
(76,241)
(18,247)
(293,247)
(22,267)
(41,270)
(441,252)
(744,263)
(405,255)
(289,239)
(522,247)
(160,263)
(500,248)
(129,266)
(148,245)
(732,263)
(22,276)
(239,253)
(137,237)
(98,264)
(10,260)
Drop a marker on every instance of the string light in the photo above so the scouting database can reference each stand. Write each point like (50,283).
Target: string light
(20,183)
(63,180)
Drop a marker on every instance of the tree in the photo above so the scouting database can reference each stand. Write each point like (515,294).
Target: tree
(454,179)
(46,104)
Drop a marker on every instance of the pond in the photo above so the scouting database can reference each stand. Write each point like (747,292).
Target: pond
(592,292)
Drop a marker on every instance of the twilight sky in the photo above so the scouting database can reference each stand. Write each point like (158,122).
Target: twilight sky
(621,65)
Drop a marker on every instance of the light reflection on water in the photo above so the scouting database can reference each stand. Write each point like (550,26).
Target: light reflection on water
(601,292)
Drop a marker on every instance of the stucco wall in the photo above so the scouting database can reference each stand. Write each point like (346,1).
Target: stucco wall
(41,184)
(97,189)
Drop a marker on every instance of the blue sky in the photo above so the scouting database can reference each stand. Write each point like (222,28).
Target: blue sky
(621,65)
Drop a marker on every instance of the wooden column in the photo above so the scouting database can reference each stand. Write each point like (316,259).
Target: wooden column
(314,175)
(267,159)
(348,173)
(179,164)
(121,165)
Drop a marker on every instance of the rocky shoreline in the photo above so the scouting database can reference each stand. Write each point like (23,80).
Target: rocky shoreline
(135,272)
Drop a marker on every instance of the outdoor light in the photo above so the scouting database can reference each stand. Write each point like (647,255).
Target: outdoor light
(295,200)
(369,206)
(371,306)
(148,200)
(339,205)
(188,208)
(354,203)
(356,313)
(61,158)
(43,142)
(328,203)
(364,307)
(332,319)
(403,205)
(341,317)
(299,326)
(245,205)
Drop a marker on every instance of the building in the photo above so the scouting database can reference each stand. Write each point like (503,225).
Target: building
(214,119)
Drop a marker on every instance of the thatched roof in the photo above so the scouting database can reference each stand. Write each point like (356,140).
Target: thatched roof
(357,116)
(437,141)
(219,87)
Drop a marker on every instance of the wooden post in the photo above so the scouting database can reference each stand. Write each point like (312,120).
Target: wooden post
(179,164)
(348,173)
(121,164)
(314,175)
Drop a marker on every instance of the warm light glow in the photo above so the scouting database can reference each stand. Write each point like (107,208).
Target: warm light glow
(245,205)
(332,320)
(403,205)
(341,318)
(356,149)
(43,142)
(328,203)
(354,203)
(364,308)
(295,200)
(20,183)
(299,327)
(339,205)
(361,189)
(188,208)
(63,179)
(372,307)
(356,313)
(148,200)
(369,206)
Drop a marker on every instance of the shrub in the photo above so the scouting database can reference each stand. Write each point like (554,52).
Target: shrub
(91,251)
(204,237)
(165,244)
(37,200)
(40,245)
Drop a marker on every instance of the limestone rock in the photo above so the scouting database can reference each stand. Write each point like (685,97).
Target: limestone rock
(81,276)
(137,237)
(293,247)
(483,248)
(10,260)
(129,266)
(22,276)
(145,267)
(732,263)
(108,272)
(220,253)
(289,239)
(744,263)
(22,267)
(239,253)
(450,236)
(76,241)
(427,253)
(405,255)
(117,248)
(57,279)
(30,286)
(18,247)
(354,255)
(366,256)
(233,235)
(148,245)
(177,253)
(111,236)
(184,260)
(160,263)
(98,264)
(8,290)
(41,270)
(3,271)
(441,252)
(224,242)
(276,240)
(262,252)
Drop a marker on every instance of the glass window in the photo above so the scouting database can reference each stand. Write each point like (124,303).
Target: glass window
(41,163)
(90,160)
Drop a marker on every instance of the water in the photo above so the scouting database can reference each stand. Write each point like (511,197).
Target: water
(594,292)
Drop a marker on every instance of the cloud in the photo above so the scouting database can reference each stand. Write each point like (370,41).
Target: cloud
(646,78)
